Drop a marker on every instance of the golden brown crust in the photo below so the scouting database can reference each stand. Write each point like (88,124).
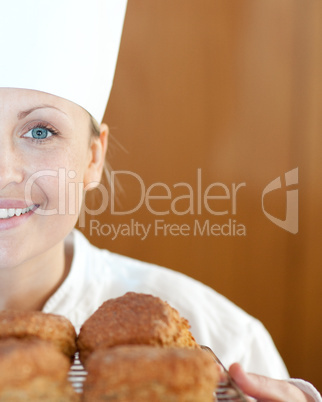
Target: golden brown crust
(33,370)
(49,327)
(134,318)
(140,373)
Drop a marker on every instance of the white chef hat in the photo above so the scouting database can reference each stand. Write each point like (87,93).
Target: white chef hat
(67,48)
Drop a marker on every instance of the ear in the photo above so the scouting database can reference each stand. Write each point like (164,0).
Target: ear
(96,159)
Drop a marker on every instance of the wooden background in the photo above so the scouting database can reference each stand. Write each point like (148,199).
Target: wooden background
(232,88)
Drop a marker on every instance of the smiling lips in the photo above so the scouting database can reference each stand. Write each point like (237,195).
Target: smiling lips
(10,212)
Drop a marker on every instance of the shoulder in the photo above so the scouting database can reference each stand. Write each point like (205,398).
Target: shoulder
(144,276)
(115,274)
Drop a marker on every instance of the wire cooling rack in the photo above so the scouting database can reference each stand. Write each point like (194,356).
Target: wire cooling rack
(227,390)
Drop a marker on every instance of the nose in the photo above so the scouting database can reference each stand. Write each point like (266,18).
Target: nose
(11,166)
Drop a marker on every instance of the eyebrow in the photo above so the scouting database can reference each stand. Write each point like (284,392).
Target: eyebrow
(24,113)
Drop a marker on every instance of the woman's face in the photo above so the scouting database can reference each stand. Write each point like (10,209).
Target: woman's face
(45,157)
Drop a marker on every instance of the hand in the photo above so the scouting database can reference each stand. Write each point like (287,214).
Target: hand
(266,389)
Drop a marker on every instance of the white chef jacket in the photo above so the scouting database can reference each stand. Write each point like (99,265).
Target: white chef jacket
(97,275)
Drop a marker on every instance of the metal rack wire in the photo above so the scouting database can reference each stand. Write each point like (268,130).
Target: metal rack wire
(227,390)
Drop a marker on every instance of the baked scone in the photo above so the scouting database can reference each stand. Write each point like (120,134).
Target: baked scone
(34,370)
(35,324)
(140,373)
(135,318)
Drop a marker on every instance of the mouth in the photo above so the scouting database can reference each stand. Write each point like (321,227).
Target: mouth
(6,213)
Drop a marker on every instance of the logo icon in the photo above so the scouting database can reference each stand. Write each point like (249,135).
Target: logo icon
(290,223)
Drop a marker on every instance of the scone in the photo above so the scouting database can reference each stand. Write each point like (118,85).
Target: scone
(136,319)
(140,373)
(34,370)
(35,324)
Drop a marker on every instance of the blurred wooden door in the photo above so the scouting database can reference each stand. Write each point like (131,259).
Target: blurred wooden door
(227,93)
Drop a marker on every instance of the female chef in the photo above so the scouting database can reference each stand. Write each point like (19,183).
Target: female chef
(56,71)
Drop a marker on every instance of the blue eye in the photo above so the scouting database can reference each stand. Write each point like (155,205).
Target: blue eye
(39,133)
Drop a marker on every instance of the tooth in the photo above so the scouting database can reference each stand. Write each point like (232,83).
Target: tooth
(3,213)
(10,212)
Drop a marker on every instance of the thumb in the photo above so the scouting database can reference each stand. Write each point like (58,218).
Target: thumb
(265,389)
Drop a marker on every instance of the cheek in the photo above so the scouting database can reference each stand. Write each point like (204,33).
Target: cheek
(61,163)
(57,196)
(56,184)
(54,176)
